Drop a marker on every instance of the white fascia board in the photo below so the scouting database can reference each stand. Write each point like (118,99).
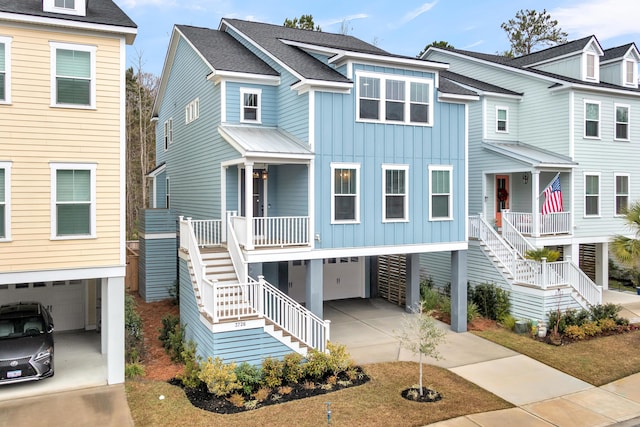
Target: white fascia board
(128,32)
(487,92)
(256,156)
(306,85)
(447,97)
(419,64)
(231,141)
(157,171)
(62,274)
(323,50)
(218,75)
(577,86)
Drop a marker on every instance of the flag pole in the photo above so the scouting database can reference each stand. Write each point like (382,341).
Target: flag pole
(550,182)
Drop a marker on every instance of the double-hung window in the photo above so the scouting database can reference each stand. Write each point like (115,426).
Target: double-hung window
(250,108)
(592,194)
(591,67)
(440,193)
(419,108)
(5,70)
(168,133)
(66,4)
(630,72)
(395,193)
(5,198)
(622,193)
(622,122)
(73,82)
(167,200)
(395,94)
(73,200)
(502,115)
(369,98)
(192,111)
(592,119)
(345,200)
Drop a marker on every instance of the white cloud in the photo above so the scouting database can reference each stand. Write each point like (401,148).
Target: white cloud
(333,21)
(130,4)
(410,16)
(603,18)
(474,44)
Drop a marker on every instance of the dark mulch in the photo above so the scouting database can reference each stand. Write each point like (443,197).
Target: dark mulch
(564,340)
(428,395)
(201,398)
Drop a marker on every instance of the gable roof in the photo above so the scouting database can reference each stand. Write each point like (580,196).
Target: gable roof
(619,52)
(223,52)
(576,46)
(477,84)
(451,87)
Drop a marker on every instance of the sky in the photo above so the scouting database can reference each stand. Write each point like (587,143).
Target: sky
(399,27)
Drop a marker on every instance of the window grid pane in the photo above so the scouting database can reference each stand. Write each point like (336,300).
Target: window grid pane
(2,60)
(345,188)
(395,194)
(592,196)
(73,219)
(73,186)
(2,221)
(73,63)
(2,194)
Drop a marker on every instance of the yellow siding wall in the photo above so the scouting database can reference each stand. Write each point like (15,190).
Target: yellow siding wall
(32,134)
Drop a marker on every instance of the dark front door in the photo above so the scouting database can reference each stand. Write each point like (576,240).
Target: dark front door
(257,193)
(502,197)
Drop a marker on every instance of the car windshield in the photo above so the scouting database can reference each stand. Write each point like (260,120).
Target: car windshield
(16,326)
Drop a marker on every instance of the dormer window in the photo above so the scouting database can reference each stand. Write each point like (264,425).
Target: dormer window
(630,73)
(591,67)
(68,7)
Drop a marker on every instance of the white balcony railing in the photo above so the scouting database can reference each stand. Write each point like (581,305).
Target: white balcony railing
(207,232)
(280,231)
(546,225)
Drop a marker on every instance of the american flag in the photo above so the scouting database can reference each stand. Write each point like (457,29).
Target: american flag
(552,197)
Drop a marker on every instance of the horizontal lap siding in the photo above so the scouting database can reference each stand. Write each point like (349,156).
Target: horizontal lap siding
(158,221)
(288,190)
(35,134)
(195,330)
(157,268)
(268,102)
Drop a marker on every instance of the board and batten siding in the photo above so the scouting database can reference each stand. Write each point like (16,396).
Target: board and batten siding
(340,138)
(35,134)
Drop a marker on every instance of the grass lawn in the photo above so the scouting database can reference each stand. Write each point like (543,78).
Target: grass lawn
(598,361)
(377,403)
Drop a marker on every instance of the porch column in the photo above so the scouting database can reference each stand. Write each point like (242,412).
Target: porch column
(113,316)
(248,204)
(413,281)
(223,203)
(459,291)
(535,202)
(602,264)
(313,285)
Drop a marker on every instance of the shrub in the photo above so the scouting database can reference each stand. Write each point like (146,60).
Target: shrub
(431,299)
(172,337)
(339,359)
(607,325)
(508,322)
(236,399)
(317,364)
(251,404)
(261,394)
(574,332)
(332,379)
(591,329)
(284,390)
(272,371)
(472,312)
(538,254)
(220,378)
(133,370)
(249,377)
(604,311)
(189,375)
(426,284)
(134,339)
(493,302)
(293,370)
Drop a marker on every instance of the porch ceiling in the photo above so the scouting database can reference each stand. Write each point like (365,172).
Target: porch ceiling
(264,142)
(530,155)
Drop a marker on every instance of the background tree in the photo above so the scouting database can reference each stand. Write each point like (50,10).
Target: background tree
(305,22)
(141,89)
(627,249)
(441,44)
(531,29)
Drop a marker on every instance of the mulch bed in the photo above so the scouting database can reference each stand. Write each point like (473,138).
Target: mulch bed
(427,396)
(201,398)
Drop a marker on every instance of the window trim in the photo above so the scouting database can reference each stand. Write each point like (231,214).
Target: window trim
(251,91)
(165,135)
(356,219)
(192,111)
(615,122)
(167,194)
(584,191)
(634,72)
(54,46)
(78,9)
(435,168)
(615,192)
(385,168)
(7,201)
(506,120)
(586,102)
(382,101)
(91,167)
(596,67)
(6,40)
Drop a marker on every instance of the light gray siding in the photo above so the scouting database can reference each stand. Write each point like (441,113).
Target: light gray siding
(569,67)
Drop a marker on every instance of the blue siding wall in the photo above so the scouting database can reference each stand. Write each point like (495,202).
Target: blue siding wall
(161,190)
(246,345)
(157,261)
(291,196)
(268,103)
(232,189)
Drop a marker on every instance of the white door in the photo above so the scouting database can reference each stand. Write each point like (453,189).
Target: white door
(341,277)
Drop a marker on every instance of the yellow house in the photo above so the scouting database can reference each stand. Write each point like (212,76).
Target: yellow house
(62,169)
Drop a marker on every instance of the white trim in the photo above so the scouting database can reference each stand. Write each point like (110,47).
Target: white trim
(615,192)
(192,111)
(312,120)
(585,67)
(385,168)
(634,78)
(7,201)
(356,167)
(584,193)
(219,76)
(434,168)
(312,200)
(223,101)
(61,274)
(506,121)
(251,91)
(165,135)
(91,167)
(54,46)
(382,78)
(615,122)
(571,124)
(167,193)
(6,40)
(79,9)
(465,208)
(170,130)
(123,153)
(584,123)
(485,119)
(158,236)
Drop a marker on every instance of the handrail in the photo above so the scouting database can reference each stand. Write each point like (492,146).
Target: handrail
(208,232)
(237,259)
(514,237)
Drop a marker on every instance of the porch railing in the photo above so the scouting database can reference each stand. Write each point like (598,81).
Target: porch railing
(279,231)
(233,246)
(208,232)
(189,242)
(548,224)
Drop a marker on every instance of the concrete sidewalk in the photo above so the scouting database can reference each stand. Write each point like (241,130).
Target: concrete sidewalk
(543,396)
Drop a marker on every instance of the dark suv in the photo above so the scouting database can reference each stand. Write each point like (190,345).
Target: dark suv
(26,342)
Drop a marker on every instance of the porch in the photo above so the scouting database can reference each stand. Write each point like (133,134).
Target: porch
(537,224)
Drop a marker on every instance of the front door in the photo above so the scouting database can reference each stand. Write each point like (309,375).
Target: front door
(502,197)
(258,193)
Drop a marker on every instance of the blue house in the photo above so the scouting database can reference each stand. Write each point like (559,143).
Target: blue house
(289,162)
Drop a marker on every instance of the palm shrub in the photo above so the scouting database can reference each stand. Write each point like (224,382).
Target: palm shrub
(538,254)
(627,249)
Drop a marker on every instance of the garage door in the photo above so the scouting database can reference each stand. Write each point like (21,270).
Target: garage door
(65,299)
(342,278)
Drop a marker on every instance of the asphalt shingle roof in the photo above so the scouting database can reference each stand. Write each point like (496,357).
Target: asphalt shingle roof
(224,52)
(616,52)
(449,86)
(477,84)
(552,52)
(98,12)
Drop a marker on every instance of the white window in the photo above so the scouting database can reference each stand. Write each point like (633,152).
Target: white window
(440,193)
(73,200)
(170,130)
(5,70)
(167,200)
(622,193)
(395,193)
(5,201)
(66,4)
(630,70)
(394,99)
(167,135)
(73,82)
(592,119)
(502,117)
(69,7)
(192,111)
(591,67)
(345,193)
(250,105)
(622,122)
(592,194)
